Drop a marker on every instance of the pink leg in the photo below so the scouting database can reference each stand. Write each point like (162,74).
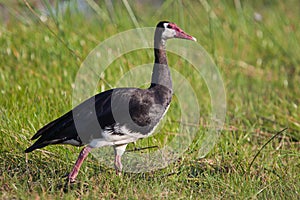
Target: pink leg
(83,154)
(119,150)
(118,164)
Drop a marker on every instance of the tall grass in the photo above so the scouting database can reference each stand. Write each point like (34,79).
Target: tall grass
(258,60)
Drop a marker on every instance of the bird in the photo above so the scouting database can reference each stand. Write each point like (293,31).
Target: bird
(124,114)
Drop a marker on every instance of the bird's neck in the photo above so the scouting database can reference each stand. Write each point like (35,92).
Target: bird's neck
(161,72)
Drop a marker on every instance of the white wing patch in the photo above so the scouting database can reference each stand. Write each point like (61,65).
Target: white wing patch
(108,138)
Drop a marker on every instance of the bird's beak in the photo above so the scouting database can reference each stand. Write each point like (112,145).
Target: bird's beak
(181,34)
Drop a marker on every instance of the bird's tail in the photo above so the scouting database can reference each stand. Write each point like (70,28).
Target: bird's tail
(36,146)
(58,131)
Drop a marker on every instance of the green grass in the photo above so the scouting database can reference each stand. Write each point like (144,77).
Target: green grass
(258,61)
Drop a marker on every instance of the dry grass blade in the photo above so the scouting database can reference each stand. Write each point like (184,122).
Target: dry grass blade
(142,148)
(278,133)
(98,10)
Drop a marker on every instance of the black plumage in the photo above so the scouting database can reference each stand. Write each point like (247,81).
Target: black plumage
(123,114)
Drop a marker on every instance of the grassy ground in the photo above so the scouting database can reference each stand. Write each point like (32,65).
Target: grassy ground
(258,60)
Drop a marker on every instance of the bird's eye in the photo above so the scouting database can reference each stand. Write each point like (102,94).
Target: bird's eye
(169,26)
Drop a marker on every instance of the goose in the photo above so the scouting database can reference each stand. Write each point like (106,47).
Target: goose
(124,114)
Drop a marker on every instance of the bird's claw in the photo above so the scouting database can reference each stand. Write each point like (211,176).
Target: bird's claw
(69,178)
(118,173)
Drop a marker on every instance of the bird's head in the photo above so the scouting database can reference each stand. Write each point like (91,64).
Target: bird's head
(167,30)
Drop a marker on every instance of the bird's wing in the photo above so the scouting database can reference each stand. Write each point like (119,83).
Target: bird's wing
(64,129)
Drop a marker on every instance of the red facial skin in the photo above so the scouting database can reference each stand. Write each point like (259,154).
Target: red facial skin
(180,33)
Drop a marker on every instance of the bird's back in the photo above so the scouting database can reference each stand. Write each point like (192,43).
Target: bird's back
(111,117)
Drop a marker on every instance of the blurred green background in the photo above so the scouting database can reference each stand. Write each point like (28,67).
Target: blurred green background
(255,45)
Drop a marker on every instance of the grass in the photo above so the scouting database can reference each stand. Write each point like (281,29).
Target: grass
(258,61)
